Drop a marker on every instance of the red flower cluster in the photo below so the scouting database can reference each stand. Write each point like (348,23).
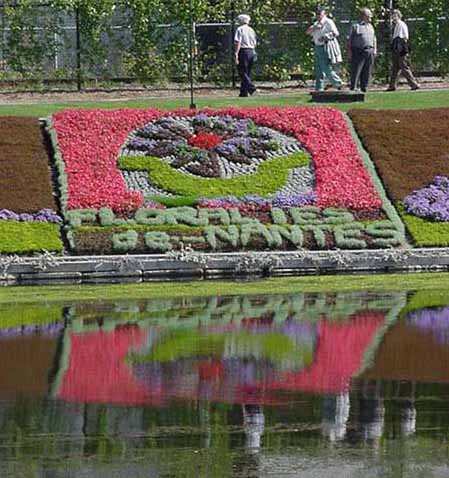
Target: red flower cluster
(341,177)
(205,140)
(90,143)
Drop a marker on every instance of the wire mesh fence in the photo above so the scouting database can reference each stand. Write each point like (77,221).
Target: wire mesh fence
(46,47)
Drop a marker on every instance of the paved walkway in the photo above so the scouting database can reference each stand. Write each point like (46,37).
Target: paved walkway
(203,91)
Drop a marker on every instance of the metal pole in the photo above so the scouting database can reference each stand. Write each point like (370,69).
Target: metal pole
(232,20)
(191,53)
(388,34)
(79,80)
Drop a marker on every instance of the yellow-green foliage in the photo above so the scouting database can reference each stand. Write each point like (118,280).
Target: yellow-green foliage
(427,233)
(269,177)
(14,315)
(28,237)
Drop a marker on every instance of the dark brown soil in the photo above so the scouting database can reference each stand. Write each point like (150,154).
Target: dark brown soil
(408,147)
(25,176)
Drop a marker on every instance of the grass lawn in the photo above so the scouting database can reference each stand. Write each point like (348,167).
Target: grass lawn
(375,100)
(318,284)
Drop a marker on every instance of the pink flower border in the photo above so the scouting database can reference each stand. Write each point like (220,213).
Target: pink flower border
(90,141)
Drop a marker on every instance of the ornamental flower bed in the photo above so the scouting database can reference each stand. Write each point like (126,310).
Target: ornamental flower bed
(232,179)
(411,152)
(28,218)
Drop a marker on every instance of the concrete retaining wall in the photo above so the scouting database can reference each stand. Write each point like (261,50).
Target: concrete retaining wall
(186,265)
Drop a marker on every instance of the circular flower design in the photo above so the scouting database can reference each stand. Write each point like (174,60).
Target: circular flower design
(210,146)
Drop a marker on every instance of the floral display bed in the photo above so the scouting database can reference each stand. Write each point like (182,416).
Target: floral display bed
(148,181)
(28,219)
(411,152)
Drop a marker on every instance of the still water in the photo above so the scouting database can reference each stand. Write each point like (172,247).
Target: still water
(303,385)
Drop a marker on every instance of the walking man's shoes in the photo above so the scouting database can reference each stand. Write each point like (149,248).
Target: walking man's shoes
(415,87)
(391,88)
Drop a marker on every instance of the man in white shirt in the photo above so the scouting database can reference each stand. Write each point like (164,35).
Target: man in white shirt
(400,53)
(245,54)
(322,32)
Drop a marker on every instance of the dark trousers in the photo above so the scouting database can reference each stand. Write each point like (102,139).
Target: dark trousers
(362,64)
(246,62)
(401,64)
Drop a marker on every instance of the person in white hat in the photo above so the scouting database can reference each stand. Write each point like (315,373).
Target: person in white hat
(245,54)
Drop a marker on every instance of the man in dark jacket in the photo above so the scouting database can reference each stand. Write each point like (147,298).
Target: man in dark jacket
(362,50)
(400,54)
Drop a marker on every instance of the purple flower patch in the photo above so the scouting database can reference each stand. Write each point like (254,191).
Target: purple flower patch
(430,202)
(44,215)
(294,200)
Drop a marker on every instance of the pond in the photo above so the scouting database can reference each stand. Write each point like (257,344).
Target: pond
(352,384)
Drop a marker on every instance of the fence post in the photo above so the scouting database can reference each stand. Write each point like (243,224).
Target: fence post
(191,54)
(79,79)
(388,25)
(231,21)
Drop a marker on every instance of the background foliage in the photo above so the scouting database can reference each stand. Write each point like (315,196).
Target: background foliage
(147,39)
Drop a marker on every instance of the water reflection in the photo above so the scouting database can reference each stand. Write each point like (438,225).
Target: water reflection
(317,384)
(242,350)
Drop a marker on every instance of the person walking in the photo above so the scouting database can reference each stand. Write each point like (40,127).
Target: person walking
(245,54)
(362,51)
(400,50)
(324,33)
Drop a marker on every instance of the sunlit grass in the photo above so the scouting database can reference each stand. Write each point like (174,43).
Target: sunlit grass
(377,100)
(347,283)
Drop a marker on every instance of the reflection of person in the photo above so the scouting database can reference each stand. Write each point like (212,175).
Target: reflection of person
(245,54)
(254,424)
(362,50)
(372,419)
(408,418)
(327,50)
(335,416)
(400,50)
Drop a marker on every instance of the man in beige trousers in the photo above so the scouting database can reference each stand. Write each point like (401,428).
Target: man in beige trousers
(400,54)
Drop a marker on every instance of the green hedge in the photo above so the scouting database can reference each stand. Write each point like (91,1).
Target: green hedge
(28,237)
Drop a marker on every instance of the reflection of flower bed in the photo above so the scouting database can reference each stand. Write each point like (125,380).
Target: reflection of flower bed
(237,356)
(17,319)
(410,150)
(276,347)
(435,321)
(256,179)
(224,349)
